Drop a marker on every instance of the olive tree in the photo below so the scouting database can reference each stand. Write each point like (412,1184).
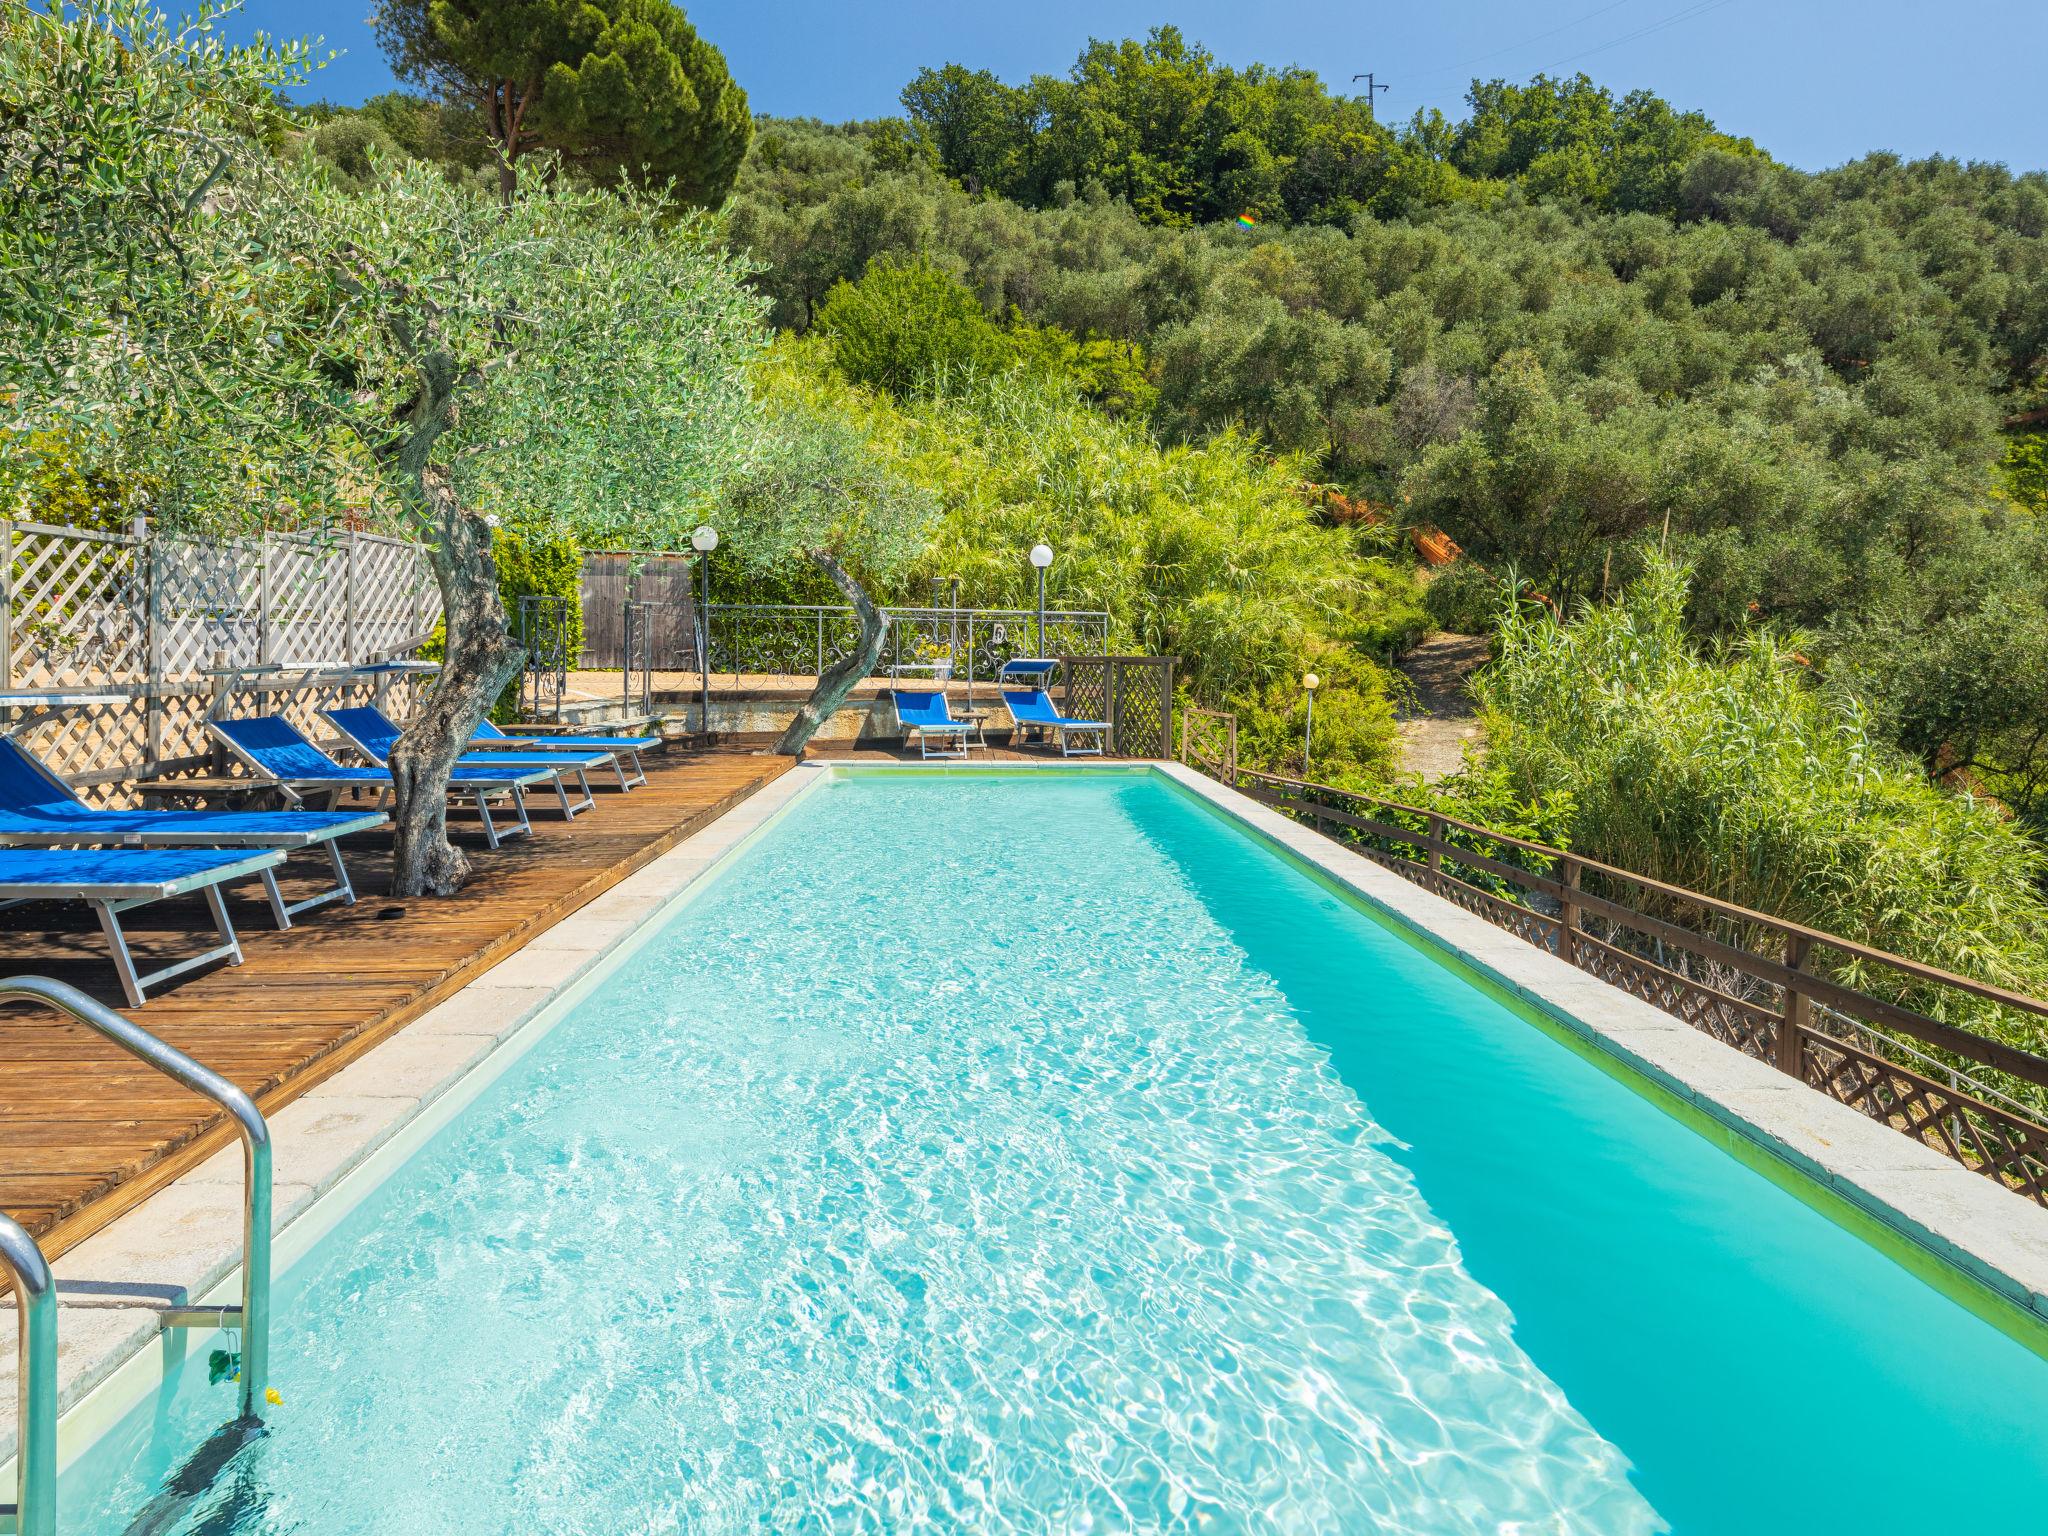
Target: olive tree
(579,357)
(819,492)
(253,341)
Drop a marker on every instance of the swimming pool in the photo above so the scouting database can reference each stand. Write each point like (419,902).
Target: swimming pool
(983,1154)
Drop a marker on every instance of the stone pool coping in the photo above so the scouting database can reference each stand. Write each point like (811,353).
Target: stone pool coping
(185,1241)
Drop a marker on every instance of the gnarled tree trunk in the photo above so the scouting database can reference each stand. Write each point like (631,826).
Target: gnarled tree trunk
(837,680)
(479,660)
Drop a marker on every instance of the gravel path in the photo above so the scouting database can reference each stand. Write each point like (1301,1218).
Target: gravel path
(1440,720)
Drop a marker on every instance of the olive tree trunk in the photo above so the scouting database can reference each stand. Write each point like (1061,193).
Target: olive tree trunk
(837,680)
(480,658)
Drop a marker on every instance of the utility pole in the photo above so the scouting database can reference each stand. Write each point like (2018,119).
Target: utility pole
(1370,88)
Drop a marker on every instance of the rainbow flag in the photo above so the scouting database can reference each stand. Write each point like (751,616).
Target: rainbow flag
(1248,220)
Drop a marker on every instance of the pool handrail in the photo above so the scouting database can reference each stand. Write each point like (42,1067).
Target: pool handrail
(252,1317)
(35,1455)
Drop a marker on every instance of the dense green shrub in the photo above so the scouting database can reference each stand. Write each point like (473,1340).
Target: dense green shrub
(905,323)
(1463,598)
(2025,471)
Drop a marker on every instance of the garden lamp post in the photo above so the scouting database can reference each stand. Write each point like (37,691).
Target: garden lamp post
(1041,556)
(1309,683)
(704,540)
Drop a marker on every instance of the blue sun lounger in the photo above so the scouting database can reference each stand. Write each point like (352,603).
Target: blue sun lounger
(925,713)
(276,751)
(1033,709)
(489,738)
(371,732)
(117,880)
(38,809)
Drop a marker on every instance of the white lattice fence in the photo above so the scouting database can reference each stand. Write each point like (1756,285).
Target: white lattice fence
(161,618)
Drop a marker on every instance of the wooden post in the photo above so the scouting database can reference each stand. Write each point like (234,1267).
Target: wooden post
(348,603)
(1790,1056)
(264,647)
(1436,858)
(6,604)
(152,649)
(1166,707)
(1231,759)
(1567,943)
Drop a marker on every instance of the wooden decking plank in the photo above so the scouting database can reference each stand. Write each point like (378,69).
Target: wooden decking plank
(86,1132)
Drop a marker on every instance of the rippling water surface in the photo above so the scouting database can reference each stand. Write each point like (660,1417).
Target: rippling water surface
(980,1155)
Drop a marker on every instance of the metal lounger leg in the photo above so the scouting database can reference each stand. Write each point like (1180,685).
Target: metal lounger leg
(278,910)
(639,770)
(519,805)
(483,809)
(588,802)
(343,890)
(134,985)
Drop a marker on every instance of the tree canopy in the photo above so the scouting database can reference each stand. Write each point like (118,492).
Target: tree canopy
(614,87)
(1182,139)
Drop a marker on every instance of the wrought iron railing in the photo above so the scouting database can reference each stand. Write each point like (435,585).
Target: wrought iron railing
(547,626)
(803,639)
(1775,990)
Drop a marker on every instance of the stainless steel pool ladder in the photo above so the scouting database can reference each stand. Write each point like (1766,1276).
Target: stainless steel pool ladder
(35,1453)
(36,1292)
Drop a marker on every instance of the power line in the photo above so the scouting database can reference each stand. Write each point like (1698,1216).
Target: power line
(1370,88)
(1672,20)
(1452,69)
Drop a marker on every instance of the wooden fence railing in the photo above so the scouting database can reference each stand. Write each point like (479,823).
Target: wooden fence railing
(1863,1026)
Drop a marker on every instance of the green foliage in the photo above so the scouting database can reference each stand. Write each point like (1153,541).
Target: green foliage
(2025,471)
(905,323)
(51,482)
(1463,599)
(820,486)
(909,325)
(1953,665)
(134,331)
(617,88)
(604,340)
(598,342)
(1354,741)
(1206,553)
(1183,140)
(1734,775)
(549,564)
(351,139)
(1111,374)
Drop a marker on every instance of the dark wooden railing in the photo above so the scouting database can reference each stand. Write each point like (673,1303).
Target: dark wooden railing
(1133,693)
(1855,1023)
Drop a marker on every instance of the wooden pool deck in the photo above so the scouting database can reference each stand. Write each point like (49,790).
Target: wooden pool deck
(87,1132)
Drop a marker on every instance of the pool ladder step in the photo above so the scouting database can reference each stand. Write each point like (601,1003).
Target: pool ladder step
(34,1511)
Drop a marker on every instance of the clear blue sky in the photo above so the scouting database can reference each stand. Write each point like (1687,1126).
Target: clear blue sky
(1815,82)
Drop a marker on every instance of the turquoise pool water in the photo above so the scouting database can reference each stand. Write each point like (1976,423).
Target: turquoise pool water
(990,1155)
